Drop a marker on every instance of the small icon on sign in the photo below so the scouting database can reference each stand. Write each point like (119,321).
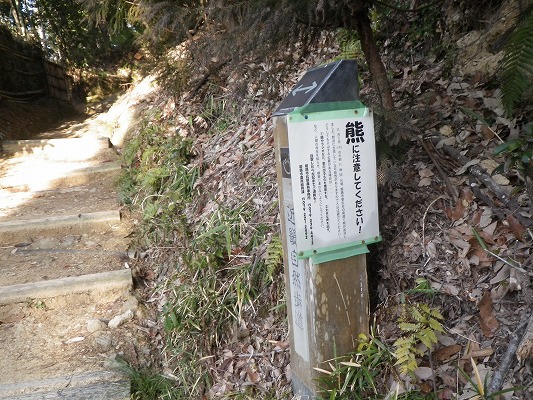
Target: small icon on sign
(285,163)
(286,167)
(305,89)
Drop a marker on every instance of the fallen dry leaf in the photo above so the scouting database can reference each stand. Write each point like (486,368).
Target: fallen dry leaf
(487,238)
(464,201)
(482,258)
(489,324)
(502,274)
(516,227)
(424,373)
(447,288)
(460,231)
(426,387)
(487,132)
(424,182)
(447,352)
(446,130)
(252,375)
(425,173)
(446,394)
(458,211)
(280,344)
(489,229)
(465,167)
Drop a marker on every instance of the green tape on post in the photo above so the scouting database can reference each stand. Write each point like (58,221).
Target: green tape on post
(332,253)
(329,111)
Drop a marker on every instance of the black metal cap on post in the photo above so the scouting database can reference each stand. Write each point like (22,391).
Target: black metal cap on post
(327,83)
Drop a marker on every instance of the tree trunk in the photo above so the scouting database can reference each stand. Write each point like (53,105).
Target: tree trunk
(375,65)
(18,16)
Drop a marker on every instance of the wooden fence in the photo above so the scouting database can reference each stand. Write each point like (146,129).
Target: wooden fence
(57,79)
(25,75)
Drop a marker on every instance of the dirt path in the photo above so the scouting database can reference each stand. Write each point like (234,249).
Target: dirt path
(65,305)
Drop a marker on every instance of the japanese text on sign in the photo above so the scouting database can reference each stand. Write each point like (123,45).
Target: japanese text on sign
(296,269)
(297,286)
(334,181)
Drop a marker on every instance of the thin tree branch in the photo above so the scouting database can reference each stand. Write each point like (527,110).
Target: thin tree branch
(482,176)
(507,359)
(444,177)
(413,10)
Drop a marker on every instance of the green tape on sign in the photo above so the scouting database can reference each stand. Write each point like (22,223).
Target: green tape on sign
(316,112)
(332,253)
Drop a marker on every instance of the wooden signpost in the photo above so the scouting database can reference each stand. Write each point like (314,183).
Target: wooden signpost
(326,168)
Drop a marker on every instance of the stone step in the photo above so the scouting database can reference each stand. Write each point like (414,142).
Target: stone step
(64,148)
(67,177)
(66,346)
(102,385)
(21,266)
(14,231)
(109,170)
(99,195)
(65,155)
(110,281)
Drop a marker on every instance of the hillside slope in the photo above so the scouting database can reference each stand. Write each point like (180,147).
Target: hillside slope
(201,182)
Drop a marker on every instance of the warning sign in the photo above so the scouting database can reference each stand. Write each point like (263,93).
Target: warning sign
(333,173)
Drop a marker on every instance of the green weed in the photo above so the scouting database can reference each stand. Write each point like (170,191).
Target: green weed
(517,63)
(203,308)
(217,281)
(219,114)
(519,156)
(479,388)
(366,372)
(355,375)
(418,323)
(146,385)
(37,304)
(274,256)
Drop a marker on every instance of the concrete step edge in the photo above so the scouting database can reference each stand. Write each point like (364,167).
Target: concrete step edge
(69,179)
(119,280)
(61,220)
(12,231)
(107,385)
(16,146)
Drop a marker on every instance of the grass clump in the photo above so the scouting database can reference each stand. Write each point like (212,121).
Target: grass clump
(146,385)
(362,375)
(218,265)
(367,373)
(158,180)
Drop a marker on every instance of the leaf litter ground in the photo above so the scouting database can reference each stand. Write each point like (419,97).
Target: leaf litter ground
(438,221)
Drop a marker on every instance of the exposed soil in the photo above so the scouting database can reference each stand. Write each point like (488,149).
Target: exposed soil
(63,336)
(25,120)
(40,342)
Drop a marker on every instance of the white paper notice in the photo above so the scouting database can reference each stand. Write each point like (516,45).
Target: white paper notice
(333,172)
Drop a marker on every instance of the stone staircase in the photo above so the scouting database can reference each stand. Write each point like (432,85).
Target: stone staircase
(65,292)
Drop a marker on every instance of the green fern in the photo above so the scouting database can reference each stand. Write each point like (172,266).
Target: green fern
(517,67)
(274,256)
(419,324)
(409,327)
